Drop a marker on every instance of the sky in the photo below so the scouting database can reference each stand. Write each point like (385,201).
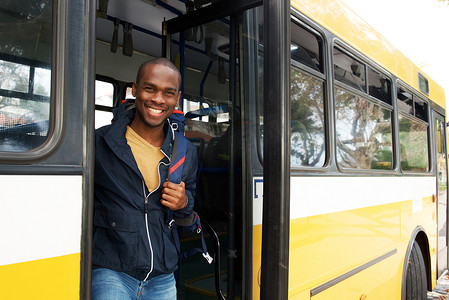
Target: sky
(418,28)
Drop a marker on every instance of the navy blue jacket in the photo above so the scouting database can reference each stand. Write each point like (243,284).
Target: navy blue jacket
(131,232)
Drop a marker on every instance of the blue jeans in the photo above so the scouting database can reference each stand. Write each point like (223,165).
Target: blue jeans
(111,285)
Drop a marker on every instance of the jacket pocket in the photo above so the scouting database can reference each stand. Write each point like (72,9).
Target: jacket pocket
(115,240)
(170,248)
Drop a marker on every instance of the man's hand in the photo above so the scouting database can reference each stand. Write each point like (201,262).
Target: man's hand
(174,195)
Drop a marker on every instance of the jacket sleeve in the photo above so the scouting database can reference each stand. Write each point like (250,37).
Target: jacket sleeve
(189,172)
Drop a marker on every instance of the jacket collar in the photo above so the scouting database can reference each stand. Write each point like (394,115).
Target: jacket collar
(116,136)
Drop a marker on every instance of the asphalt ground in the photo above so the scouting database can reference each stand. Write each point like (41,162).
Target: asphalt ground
(441,290)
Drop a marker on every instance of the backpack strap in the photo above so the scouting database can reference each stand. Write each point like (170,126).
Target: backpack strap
(192,222)
(177,160)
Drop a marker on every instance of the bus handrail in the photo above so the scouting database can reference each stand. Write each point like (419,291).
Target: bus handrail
(217,259)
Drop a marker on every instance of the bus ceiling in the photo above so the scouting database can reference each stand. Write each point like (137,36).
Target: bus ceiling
(216,10)
(181,15)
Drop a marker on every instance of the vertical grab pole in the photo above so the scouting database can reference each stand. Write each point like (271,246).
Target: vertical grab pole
(276,156)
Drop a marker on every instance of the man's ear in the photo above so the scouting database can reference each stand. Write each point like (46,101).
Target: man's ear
(179,96)
(134,88)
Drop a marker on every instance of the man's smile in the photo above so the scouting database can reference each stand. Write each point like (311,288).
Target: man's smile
(154,110)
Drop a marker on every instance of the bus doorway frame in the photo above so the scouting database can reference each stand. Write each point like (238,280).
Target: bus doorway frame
(274,272)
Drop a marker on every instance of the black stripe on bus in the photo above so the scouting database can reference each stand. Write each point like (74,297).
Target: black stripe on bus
(340,278)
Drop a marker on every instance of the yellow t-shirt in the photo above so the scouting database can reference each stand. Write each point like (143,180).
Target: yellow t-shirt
(147,157)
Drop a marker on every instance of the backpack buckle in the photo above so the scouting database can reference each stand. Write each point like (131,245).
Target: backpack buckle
(208,257)
(170,224)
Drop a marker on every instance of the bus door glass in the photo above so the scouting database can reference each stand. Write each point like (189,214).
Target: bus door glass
(441,160)
(25,68)
(208,57)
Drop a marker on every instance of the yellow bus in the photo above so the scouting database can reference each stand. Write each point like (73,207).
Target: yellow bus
(322,148)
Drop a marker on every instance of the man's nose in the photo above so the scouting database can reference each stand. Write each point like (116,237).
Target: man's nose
(158,97)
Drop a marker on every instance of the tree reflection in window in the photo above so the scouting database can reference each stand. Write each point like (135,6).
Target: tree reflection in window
(413,142)
(364,137)
(307,120)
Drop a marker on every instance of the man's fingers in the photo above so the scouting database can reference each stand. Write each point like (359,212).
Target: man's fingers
(173,195)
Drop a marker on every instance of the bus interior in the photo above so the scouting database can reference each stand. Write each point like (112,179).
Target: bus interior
(129,33)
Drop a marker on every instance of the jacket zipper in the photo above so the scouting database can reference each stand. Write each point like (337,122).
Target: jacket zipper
(146,215)
(147,229)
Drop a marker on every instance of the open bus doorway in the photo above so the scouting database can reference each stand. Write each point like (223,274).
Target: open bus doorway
(206,55)
(206,45)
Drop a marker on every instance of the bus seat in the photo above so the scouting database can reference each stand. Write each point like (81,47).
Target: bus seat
(199,144)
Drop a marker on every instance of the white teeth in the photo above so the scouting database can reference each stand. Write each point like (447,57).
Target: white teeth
(156,111)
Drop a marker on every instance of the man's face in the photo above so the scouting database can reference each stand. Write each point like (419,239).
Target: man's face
(157,94)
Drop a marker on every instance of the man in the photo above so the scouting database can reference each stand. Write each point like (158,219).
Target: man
(134,252)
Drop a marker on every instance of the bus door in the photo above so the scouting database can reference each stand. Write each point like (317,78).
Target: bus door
(204,43)
(441,161)
(45,142)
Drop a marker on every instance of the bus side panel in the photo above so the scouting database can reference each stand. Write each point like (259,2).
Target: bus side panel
(50,278)
(40,226)
(377,282)
(345,231)
(422,213)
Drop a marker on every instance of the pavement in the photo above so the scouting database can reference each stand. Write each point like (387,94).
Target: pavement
(441,290)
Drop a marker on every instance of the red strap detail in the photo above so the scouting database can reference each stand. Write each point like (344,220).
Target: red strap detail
(178,112)
(180,162)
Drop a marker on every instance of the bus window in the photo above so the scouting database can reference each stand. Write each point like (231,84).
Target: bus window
(104,101)
(423,84)
(307,120)
(129,93)
(421,109)
(405,102)
(379,86)
(306,48)
(306,100)
(25,68)
(192,105)
(349,70)
(413,143)
(413,132)
(364,134)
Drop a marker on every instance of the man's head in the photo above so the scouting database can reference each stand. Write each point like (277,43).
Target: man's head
(158,61)
(157,92)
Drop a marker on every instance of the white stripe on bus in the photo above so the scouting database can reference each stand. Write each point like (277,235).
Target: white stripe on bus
(317,195)
(40,217)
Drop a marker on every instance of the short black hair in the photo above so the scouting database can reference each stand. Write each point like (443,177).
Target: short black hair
(158,61)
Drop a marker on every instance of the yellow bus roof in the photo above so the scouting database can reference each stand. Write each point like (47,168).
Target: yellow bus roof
(351,28)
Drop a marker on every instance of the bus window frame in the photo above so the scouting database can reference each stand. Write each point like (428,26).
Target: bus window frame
(423,78)
(306,71)
(57,116)
(115,99)
(381,105)
(323,76)
(369,68)
(429,122)
(352,54)
(368,63)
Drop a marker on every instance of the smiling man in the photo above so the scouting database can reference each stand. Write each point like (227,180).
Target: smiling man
(134,253)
